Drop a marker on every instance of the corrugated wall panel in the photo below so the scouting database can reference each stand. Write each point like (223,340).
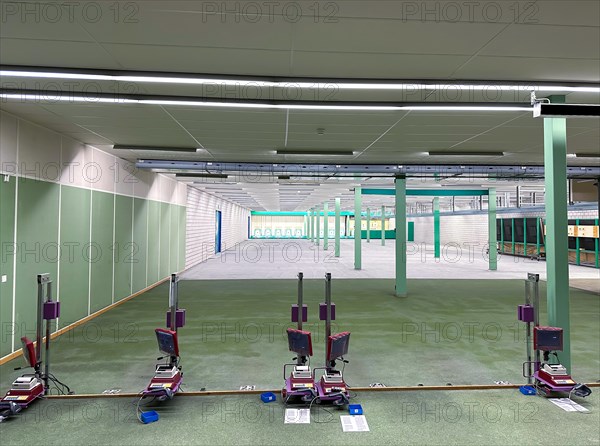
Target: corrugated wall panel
(200,225)
(459,229)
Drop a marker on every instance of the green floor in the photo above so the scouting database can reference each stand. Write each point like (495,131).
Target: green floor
(459,332)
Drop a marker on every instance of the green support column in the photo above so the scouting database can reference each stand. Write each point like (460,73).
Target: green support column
(357,227)
(305,226)
(525,236)
(502,235)
(492,231)
(310,225)
(401,290)
(368,225)
(577,247)
(436,227)
(314,225)
(512,222)
(318,232)
(557,241)
(326,226)
(596,246)
(382,225)
(338,227)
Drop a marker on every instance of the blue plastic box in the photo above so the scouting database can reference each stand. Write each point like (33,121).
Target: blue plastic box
(149,416)
(355,409)
(268,397)
(527,390)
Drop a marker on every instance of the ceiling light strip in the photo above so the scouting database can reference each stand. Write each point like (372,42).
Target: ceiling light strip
(48,97)
(283,82)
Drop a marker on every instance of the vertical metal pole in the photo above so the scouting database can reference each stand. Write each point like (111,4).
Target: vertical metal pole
(557,241)
(382,225)
(368,225)
(357,227)
(41,279)
(325,226)
(173,298)
(401,288)
(300,300)
(48,323)
(436,227)
(300,360)
(327,312)
(492,231)
(338,228)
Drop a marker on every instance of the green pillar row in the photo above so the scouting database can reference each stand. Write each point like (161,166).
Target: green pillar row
(368,225)
(400,184)
(338,227)
(357,227)
(436,227)
(557,242)
(325,226)
(492,231)
(318,232)
(382,225)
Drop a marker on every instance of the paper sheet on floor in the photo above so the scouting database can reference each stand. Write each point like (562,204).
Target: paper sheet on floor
(297,416)
(354,423)
(568,405)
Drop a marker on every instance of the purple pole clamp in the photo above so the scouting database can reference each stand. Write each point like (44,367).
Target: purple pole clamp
(323,311)
(295,313)
(179,318)
(525,313)
(51,310)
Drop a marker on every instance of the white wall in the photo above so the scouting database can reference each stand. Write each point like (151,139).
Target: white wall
(200,225)
(32,151)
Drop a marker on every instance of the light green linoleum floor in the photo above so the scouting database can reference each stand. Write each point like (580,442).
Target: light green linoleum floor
(459,332)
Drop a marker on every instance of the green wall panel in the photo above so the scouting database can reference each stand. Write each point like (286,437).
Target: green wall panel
(165,231)
(173,239)
(7,232)
(37,244)
(101,253)
(73,290)
(123,248)
(140,243)
(153,240)
(182,238)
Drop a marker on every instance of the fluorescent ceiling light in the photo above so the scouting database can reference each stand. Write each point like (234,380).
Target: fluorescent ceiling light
(542,109)
(316,152)
(587,155)
(454,153)
(201,175)
(345,84)
(50,97)
(157,148)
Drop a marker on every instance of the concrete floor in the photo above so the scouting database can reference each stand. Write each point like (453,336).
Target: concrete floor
(283,259)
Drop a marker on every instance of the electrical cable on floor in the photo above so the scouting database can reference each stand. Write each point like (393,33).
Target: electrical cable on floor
(60,387)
